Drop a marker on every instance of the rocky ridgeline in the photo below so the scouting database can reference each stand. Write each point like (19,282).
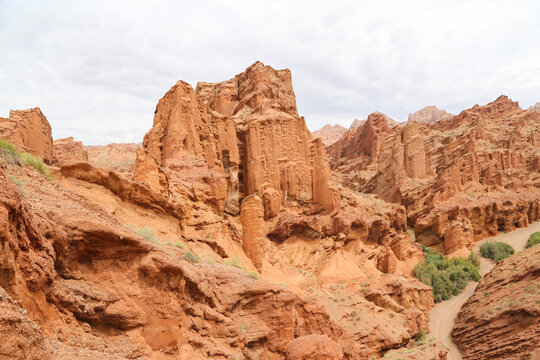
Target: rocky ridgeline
(460,178)
(228,238)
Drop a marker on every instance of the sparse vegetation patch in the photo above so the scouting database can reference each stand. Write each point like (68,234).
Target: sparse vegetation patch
(11,153)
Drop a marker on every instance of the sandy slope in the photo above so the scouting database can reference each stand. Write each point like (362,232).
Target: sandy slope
(442,316)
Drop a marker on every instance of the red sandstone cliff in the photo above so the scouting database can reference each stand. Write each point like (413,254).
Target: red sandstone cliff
(462,178)
(30,130)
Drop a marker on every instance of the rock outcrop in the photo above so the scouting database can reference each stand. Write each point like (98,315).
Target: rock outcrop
(429,115)
(251,217)
(246,137)
(461,178)
(81,276)
(118,157)
(29,130)
(502,319)
(66,150)
(329,134)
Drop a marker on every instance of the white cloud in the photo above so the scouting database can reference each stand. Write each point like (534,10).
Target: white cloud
(98,68)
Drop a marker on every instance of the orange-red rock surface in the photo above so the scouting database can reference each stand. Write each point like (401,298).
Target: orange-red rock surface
(502,319)
(30,130)
(119,157)
(329,134)
(66,150)
(461,178)
(229,237)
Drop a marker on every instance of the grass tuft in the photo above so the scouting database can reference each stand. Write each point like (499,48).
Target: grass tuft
(11,153)
(146,233)
(191,257)
(234,261)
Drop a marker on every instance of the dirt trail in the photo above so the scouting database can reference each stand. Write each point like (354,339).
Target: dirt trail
(443,314)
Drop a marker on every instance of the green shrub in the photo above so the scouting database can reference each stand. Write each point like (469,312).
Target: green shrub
(496,250)
(421,336)
(534,239)
(447,277)
(191,257)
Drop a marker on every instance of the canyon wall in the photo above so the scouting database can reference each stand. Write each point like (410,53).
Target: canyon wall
(474,169)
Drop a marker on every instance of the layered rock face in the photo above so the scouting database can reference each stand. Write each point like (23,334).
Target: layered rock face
(72,268)
(502,319)
(461,178)
(67,149)
(359,148)
(30,130)
(329,134)
(248,137)
(429,115)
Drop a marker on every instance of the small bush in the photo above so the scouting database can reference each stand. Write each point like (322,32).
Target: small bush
(496,250)
(421,336)
(191,257)
(447,277)
(534,239)
(234,261)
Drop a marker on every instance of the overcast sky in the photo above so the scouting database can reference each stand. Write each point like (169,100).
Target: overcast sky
(98,68)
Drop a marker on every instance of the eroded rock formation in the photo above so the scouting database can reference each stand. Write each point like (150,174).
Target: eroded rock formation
(228,180)
(30,130)
(119,157)
(66,150)
(478,171)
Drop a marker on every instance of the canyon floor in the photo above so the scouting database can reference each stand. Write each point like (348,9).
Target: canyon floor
(443,315)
